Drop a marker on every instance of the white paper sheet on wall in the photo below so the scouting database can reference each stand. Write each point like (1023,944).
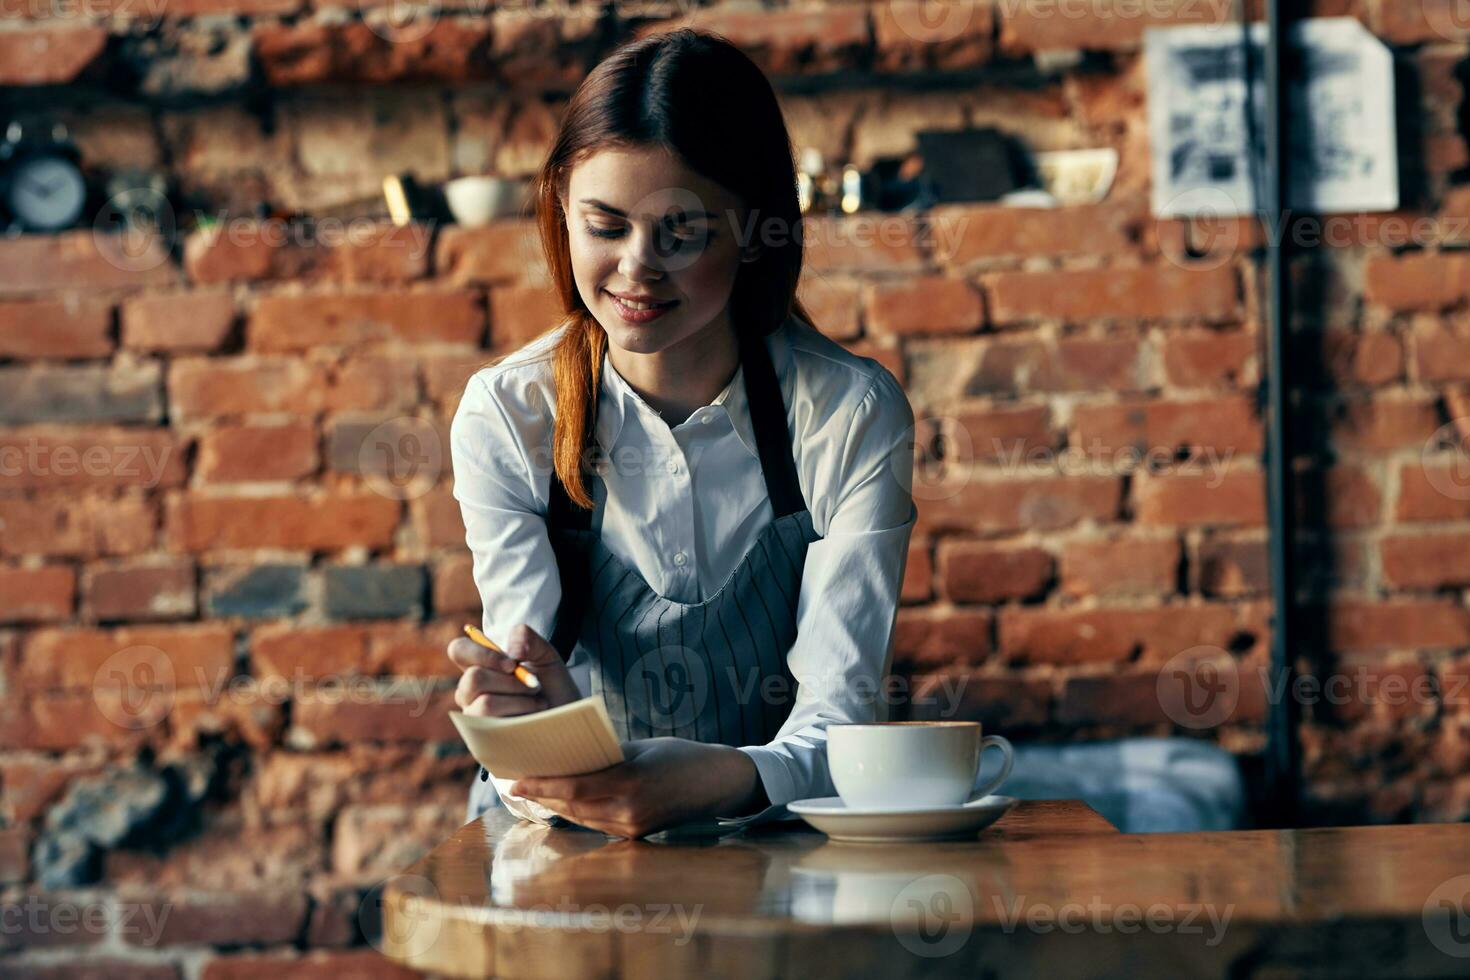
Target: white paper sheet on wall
(563,741)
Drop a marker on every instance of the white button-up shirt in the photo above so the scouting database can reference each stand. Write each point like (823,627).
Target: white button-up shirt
(683,504)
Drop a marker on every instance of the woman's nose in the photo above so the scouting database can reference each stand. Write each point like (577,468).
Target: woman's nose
(642,257)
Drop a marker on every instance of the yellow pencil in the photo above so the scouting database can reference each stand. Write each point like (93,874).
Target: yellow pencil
(522,674)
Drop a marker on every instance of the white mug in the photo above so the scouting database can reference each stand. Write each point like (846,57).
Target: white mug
(902,765)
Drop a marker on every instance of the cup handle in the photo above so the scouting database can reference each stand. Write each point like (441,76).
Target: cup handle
(1005,767)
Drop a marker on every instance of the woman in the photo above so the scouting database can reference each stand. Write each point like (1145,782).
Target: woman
(682,497)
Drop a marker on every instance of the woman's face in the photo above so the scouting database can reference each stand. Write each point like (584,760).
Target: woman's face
(641,223)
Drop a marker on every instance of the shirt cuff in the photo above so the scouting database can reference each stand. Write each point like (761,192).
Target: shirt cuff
(775,779)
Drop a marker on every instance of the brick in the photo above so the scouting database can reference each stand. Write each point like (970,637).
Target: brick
(367,650)
(926,304)
(99,720)
(309,52)
(1344,358)
(861,244)
(918,573)
(975,369)
(1032,504)
(1377,424)
(1042,25)
(237,918)
(1030,635)
(1164,429)
(1441,354)
(375,591)
(48,56)
(318,523)
(1417,281)
(401,712)
(1004,434)
(254,251)
(1158,292)
(92,968)
(1433,490)
(1199,358)
(446,375)
(67,327)
(407,453)
(288,322)
(520,314)
(177,323)
(15,847)
(1426,561)
(936,636)
(30,784)
(907,37)
(1131,698)
(255,591)
(82,393)
(1387,691)
(1233,567)
(206,388)
(1400,625)
(143,589)
(1005,702)
(227,709)
(44,594)
(80,659)
(832,305)
(437,519)
(360,964)
(78,259)
(1118,566)
(78,527)
(248,453)
(454,589)
(56,920)
(974,572)
(1434,21)
(46,458)
(969,234)
(1217,498)
(373,841)
(1342,496)
(502,252)
(794,41)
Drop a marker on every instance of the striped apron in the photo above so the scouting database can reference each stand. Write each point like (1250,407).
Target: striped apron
(712,671)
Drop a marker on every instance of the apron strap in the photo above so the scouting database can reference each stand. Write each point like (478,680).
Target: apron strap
(768,419)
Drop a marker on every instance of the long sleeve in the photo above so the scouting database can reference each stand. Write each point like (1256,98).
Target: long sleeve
(848,604)
(493,437)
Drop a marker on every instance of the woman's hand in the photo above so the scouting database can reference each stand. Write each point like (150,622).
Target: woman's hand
(660,782)
(488,685)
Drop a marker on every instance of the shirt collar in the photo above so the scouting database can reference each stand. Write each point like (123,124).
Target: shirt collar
(618,398)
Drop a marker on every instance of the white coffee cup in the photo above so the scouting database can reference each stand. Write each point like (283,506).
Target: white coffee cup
(902,765)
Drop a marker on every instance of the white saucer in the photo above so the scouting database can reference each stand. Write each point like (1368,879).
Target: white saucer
(841,822)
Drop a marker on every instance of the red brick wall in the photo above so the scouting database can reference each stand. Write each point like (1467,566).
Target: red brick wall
(194,498)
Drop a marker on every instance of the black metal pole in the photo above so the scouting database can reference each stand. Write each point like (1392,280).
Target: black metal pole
(1282,763)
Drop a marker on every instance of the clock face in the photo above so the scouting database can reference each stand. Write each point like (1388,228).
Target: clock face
(46,193)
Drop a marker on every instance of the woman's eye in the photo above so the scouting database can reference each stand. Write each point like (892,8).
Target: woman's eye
(603,232)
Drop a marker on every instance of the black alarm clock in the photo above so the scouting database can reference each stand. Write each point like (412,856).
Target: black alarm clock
(42,187)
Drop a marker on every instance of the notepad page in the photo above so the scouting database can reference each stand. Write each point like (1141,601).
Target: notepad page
(564,741)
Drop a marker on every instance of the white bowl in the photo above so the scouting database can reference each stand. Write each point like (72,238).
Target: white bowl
(477,201)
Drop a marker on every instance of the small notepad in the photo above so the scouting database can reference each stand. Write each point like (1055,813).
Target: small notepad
(563,741)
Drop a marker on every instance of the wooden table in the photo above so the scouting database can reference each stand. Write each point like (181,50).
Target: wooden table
(1052,889)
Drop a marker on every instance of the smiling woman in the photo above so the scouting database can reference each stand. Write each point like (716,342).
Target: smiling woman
(718,544)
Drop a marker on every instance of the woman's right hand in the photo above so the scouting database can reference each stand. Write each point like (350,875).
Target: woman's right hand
(488,685)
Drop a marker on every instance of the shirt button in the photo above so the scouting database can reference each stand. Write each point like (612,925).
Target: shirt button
(673,466)
(680,558)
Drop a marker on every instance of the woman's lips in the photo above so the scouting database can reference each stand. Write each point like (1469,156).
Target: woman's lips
(639,316)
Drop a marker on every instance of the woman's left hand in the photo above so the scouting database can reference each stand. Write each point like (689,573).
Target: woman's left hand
(659,783)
